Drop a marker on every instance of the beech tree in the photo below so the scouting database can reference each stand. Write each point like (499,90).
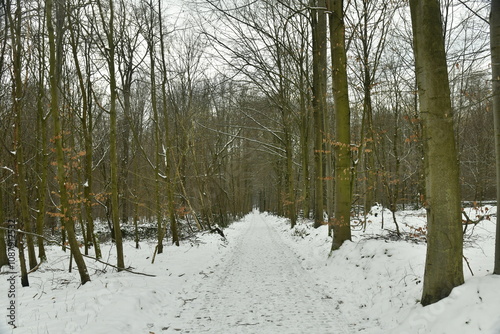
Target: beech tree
(342,143)
(495,69)
(443,267)
(319,59)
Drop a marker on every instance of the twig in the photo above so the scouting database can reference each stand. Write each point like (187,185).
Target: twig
(87,256)
(468,264)
(470,221)
(154,254)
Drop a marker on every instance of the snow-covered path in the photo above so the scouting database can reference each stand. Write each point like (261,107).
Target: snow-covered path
(260,288)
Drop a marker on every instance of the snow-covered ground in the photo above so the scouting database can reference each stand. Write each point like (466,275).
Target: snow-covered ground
(377,282)
(266,278)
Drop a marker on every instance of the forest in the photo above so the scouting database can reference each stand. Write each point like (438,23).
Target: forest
(157,119)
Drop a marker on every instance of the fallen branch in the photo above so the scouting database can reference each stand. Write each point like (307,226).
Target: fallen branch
(50,241)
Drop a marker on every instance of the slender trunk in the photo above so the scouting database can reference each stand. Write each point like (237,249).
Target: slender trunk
(304,145)
(495,67)
(342,220)
(86,120)
(18,148)
(443,267)
(108,21)
(42,156)
(22,260)
(368,146)
(292,210)
(157,138)
(67,215)
(319,103)
(4,259)
(169,159)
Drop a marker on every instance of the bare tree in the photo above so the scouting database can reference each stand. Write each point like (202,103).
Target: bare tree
(319,58)
(55,34)
(18,97)
(495,66)
(107,16)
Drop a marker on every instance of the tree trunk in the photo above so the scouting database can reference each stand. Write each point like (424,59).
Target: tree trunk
(18,148)
(342,220)
(108,19)
(42,156)
(304,146)
(495,68)
(4,259)
(170,184)
(22,260)
(161,228)
(319,104)
(67,215)
(87,126)
(443,267)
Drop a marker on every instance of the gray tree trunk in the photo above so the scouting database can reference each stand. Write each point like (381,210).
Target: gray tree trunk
(443,267)
(495,69)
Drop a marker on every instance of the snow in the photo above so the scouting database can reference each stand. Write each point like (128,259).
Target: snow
(266,278)
(378,282)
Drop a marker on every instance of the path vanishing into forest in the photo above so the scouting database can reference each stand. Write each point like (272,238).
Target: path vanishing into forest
(259,288)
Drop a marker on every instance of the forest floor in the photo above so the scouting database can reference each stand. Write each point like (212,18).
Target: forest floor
(266,278)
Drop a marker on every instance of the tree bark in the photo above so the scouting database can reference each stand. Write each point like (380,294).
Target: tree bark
(4,259)
(319,104)
(495,69)
(443,267)
(342,220)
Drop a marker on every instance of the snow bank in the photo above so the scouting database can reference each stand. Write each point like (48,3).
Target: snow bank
(376,282)
(113,302)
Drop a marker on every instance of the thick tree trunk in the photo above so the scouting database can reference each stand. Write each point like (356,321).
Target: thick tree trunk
(495,67)
(342,220)
(443,267)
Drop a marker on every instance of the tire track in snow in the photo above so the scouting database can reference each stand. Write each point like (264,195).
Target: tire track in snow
(261,288)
